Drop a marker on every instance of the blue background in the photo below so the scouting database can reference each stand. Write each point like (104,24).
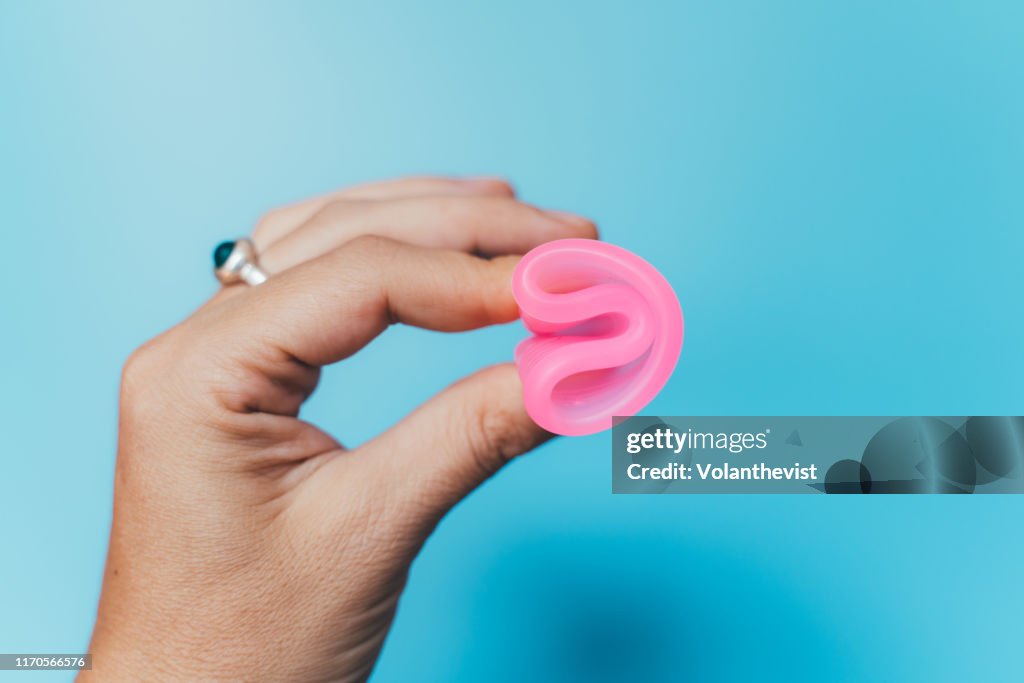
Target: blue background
(834,189)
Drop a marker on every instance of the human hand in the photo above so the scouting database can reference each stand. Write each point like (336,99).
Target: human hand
(248,544)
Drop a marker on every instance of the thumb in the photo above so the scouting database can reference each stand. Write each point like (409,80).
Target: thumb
(456,440)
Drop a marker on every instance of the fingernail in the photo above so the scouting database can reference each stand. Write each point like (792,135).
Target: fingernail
(568,218)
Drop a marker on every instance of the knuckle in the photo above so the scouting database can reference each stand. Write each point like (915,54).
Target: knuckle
(339,209)
(446,208)
(178,377)
(368,248)
(141,365)
(462,210)
(145,380)
(154,366)
(367,261)
(498,435)
(265,226)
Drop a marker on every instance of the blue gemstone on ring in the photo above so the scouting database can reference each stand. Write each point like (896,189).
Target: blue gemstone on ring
(221,253)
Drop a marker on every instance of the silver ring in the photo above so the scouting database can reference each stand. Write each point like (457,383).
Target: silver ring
(236,262)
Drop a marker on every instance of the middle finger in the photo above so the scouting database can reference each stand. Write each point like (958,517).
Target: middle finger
(488,226)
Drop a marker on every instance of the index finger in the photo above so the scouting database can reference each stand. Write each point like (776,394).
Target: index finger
(327,309)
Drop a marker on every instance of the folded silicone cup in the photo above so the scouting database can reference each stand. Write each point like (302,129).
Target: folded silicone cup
(607,331)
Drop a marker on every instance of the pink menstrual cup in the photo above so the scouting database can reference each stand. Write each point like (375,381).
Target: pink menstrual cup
(607,330)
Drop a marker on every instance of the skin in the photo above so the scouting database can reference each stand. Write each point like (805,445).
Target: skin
(247,544)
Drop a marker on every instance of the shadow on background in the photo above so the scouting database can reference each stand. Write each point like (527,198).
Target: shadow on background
(621,608)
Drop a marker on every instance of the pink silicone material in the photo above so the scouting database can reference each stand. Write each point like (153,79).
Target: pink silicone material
(607,331)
